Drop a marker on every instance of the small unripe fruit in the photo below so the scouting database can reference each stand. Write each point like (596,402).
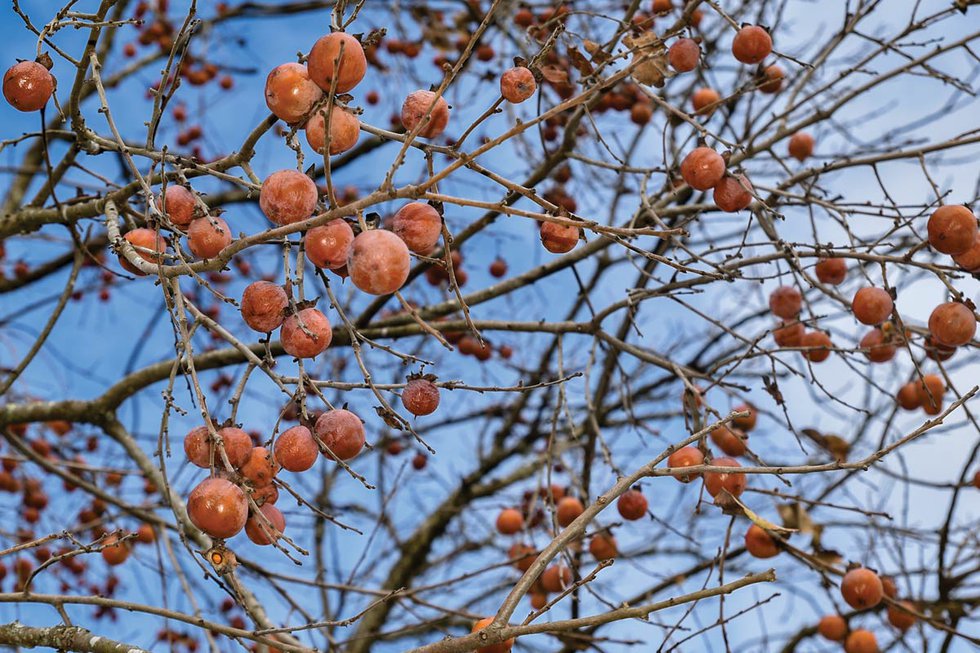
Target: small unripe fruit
(379,262)
(27,86)
(306,334)
(265,531)
(417,106)
(419,225)
(218,507)
(295,449)
(324,66)
(341,432)
(207,236)
(329,245)
(559,238)
(952,324)
(420,397)
(632,505)
(872,306)
(702,168)
(510,521)
(752,44)
(517,84)
(345,129)
(861,588)
(287,196)
(262,305)
(952,229)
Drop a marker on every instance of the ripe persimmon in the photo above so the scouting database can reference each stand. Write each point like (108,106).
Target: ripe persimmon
(818,346)
(262,306)
(785,302)
(420,396)
(502,647)
(877,347)
(632,505)
(733,193)
(752,44)
(831,271)
(178,204)
(789,334)
(556,578)
(260,468)
(715,482)
(218,507)
(345,129)
(265,529)
(287,196)
(423,110)
(342,432)
(861,641)
(602,546)
(872,305)
(705,101)
(908,396)
(290,94)
(684,54)
(419,225)
(510,521)
(27,86)
(952,324)
(730,441)
(772,79)
(832,627)
(801,146)
(559,238)
(379,262)
(899,618)
(149,245)
(517,84)
(759,543)
(326,61)
(861,588)
(702,168)
(952,229)
(685,457)
(306,334)
(328,245)
(568,510)
(295,449)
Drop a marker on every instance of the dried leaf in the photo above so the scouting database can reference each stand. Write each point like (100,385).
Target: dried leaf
(554,74)
(649,59)
(580,62)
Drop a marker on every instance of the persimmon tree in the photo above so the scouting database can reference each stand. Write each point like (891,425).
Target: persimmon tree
(490,325)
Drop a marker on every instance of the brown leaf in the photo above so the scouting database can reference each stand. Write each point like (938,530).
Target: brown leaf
(649,59)
(580,62)
(554,74)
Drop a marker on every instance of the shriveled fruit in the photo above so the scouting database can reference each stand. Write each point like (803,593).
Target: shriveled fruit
(759,543)
(789,334)
(602,546)
(218,507)
(685,457)
(200,450)
(772,79)
(568,510)
(556,578)
(952,324)
(952,229)
(420,396)
(908,396)
(379,262)
(501,647)
(27,86)
(559,238)
(683,55)
(818,346)
(732,442)
(143,239)
(290,93)
(785,302)
(930,391)
(114,552)
(345,129)
(900,618)
(831,271)
(861,641)
(877,347)
(705,101)
(801,146)
(287,196)
(423,110)
(419,225)
(872,305)
(702,168)
(517,84)
(207,236)
(523,555)
(265,531)
(861,588)
(306,334)
(341,431)
(715,482)
(260,468)
(262,305)
(295,449)
(326,62)
(510,521)
(832,627)
(329,245)
(632,505)
(178,204)
(752,44)
(733,193)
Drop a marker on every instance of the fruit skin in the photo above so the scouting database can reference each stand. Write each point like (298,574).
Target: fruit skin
(715,482)
(510,521)
(801,146)
(147,239)
(559,238)
(323,57)
(290,93)
(295,449)
(263,533)
(27,86)
(899,618)
(702,168)
(218,507)
(501,647)
(261,467)
(872,306)
(759,543)
(420,397)
(969,261)
(415,108)
(785,302)
(556,578)
(819,344)
(517,84)
(730,441)
(568,510)
(207,236)
(683,55)
(379,262)
(733,193)
(632,505)
(297,343)
(952,324)
(952,229)
(342,432)
(178,204)
(287,196)
(602,546)
(705,101)
(345,129)
(861,641)
(832,627)
(686,457)
(831,271)
(419,225)
(328,245)
(262,305)
(879,349)
(861,588)
(752,44)
(198,446)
